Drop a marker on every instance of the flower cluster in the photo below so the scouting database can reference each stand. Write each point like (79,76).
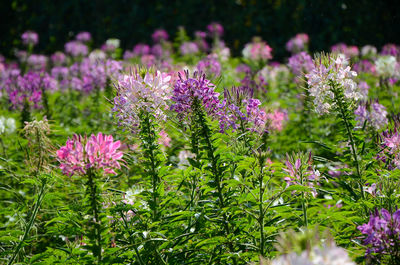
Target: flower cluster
(348,51)
(368,51)
(137,93)
(189,48)
(83,36)
(215,29)
(298,43)
(374,113)
(390,154)
(159,35)
(7,125)
(188,90)
(301,63)
(99,152)
(324,255)
(210,66)
(391,49)
(30,38)
(329,74)
(301,172)
(76,48)
(257,51)
(383,232)
(387,66)
(276,119)
(365,66)
(58,58)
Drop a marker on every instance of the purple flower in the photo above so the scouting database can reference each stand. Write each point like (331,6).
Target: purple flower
(374,113)
(188,48)
(382,232)
(390,49)
(141,49)
(189,90)
(76,48)
(298,43)
(159,35)
(364,66)
(83,36)
(301,63)
(58,58)
(210,66)
(37,61)
(30,38)
(215,29)
(390,154)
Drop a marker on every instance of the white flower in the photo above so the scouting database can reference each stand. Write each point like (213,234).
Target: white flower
(113,42)
(97,55)
(7,125)
(386,66)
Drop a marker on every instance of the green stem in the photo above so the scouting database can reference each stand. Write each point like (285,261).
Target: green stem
(31,221)
(261,210)
(94,208)
(304,207)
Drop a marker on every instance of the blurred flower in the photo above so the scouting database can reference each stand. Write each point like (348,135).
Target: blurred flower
(257,51)
(7,125)
(37,62)
(390,153)
(81,153)
(58,58)
(141,49)
(215,29)
(30,38)
(301,63)
(164,139)
(276,120)
(210,66)
(97,55)
(374,113)
(368,51)
(83,36)
(364,66)
(391,50)
(298,43)
(386,66)
(76,48)
(188,48)
(159,35)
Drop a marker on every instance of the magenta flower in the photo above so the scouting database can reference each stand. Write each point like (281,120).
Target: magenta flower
(298,43)
(188,48)
(215,29)
(76,48)
(257,51)
(30,38)
(301,63)
(58,58)
(210,66)
(141,49)
(390,154)
(82,153)
(276,120)
(159,35)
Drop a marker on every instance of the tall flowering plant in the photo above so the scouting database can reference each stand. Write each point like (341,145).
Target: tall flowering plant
(92,157)
(140,104)
(333,90)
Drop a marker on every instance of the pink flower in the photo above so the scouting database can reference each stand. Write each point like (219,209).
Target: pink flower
(164,139)
(276,119)
(81,153)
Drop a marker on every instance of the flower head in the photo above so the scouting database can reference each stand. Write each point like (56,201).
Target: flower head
(137,92)
(30,38)
(215,29)
(159,35)
(298,43)
(76,48)
(331,73)
(83,36)
(257,51)
(99,152)
(301,63)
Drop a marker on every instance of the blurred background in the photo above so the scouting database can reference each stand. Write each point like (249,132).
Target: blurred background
(355,22)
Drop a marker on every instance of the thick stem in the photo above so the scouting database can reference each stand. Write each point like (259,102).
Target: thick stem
(261,210)
(304,207)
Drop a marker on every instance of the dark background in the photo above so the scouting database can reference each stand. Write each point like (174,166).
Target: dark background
(327,22)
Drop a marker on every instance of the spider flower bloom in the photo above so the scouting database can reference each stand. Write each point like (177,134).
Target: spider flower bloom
(331,74)
(76,48)
(189,90)
(215,29)
(141,49)
(137,94)
(298,43)
(374,113)
(30,38)
(210,66)
(83,36)
(300,171)
(390,154)
(58,58)
(257,51)
(37,61)
(368,51)
(391,49)
(99,152)
(188,48)
(276,120)
(159,35)
(382,233)
(386,66)
(301,63)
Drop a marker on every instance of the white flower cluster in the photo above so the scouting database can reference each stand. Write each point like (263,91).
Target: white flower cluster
(328,76)
(387,66)
(327,255)
(7,125)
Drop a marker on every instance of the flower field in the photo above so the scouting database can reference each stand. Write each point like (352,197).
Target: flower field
(179,152)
